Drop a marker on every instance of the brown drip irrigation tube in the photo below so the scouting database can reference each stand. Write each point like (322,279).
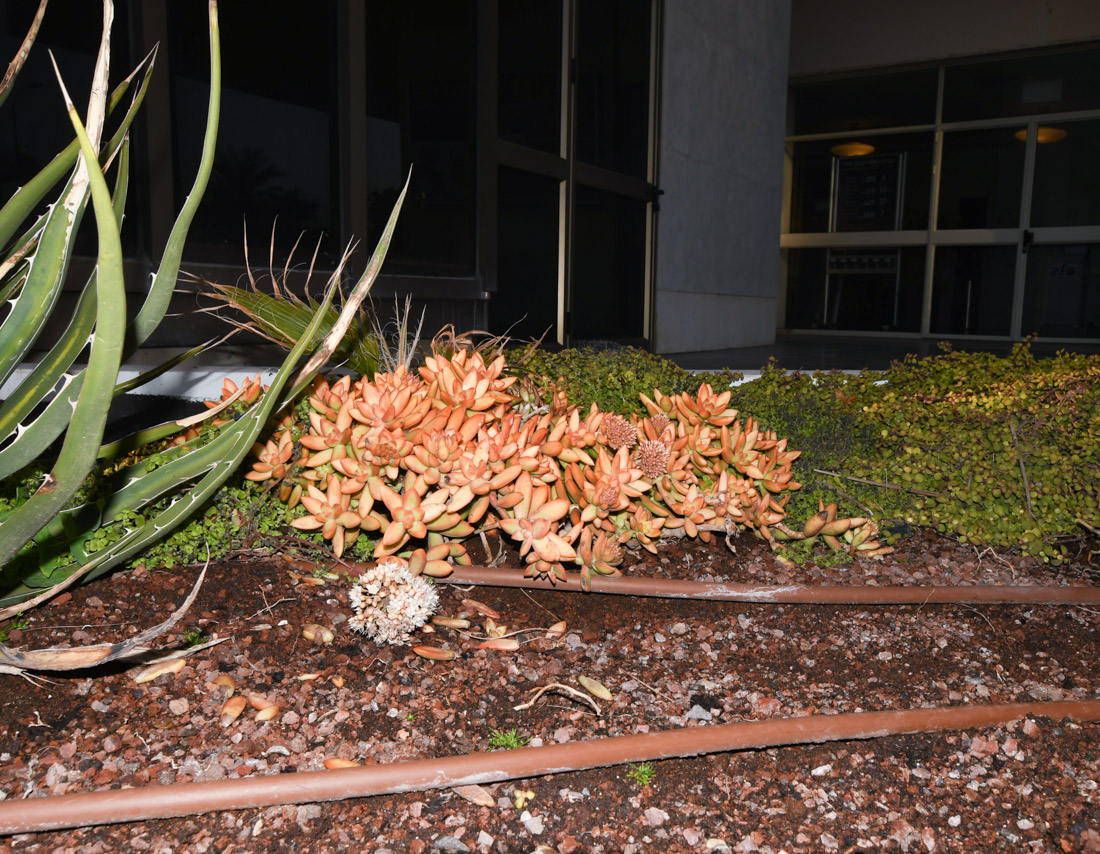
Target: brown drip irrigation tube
(152,802)
(667,588)
(626,585)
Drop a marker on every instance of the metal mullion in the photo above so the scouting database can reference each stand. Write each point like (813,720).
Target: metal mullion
(531,160)
(352,120)
(933,211)
(567,197)
(488,77)
(613,182)
(851,239)
(1020,279)
(648,294)
(972,124)
(1066,234)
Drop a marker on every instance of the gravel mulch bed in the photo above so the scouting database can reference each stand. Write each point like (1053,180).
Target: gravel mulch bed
(1029,786)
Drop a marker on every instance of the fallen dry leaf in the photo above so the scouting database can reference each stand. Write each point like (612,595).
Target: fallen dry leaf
(435,653)
(556,630)
(259,702)
(316,632)
(231,710)
(475,795)
(151,673)
(224,680)
(506,644)
(267,712)
(334,763)
(594,688)
(481,608)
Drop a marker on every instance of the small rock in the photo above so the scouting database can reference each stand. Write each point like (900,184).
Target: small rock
(660,638)
(692,835)
(94,602)
(533,823)
(1025,824)
(655,817)
(821,770)
(449,843)
(564,734)
(291,719)
(307,812)
(112,743)
(698,713)
(485,840)
(179,706)
(955,820)
(679,629)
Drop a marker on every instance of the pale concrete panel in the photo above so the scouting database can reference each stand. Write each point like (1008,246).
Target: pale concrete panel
(688,322)
(723,99)
(841,35)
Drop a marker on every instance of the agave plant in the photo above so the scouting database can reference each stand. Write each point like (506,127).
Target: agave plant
(46,537)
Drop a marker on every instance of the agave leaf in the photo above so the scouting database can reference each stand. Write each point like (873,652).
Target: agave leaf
(53,366)
(28,197)
(90,414)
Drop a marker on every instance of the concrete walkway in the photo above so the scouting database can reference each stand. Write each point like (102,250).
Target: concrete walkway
(807,352)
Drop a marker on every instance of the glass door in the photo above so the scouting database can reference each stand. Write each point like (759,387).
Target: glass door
(573,171)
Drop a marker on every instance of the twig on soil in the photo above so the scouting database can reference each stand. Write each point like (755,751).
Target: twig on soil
(1023,471)
(538,692)
(657,693)
(881,484)
(538,605)
(269,608)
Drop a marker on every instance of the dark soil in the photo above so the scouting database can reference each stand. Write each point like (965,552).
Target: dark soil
(1029,786)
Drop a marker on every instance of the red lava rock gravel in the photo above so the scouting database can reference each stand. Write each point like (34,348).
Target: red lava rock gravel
(1028,786)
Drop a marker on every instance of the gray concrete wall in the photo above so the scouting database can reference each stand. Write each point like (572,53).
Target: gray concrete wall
(843,35)
(723,96)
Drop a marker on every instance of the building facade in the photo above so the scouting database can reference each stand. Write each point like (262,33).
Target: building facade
(616,169)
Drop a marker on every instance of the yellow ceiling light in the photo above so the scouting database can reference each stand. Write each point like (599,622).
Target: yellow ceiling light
(852,149)
(1042,134)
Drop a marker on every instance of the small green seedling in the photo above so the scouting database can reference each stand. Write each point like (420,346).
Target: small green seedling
(641,773)
(510,740)
(410,716)
(195,637)
(18,623)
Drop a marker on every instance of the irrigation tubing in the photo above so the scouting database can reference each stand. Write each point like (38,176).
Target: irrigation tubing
(180,799)
(667,588)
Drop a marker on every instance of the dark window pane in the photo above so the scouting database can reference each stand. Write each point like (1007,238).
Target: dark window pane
(982,173)
(972,290)
(529,67)
(1067,176)
(1062,291)
(34,125)
(873,290)
(1054,83)
(883,190)
(422,112)
(862,103)
(613,84)
(276,154)
(525,304)
(608,266)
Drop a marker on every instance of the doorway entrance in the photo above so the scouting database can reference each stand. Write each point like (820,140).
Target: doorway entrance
(570,181)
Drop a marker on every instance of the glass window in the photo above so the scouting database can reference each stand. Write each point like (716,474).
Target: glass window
(884,189)
(276,157)
(1055,83)
(34,125)
(613,85)
(862,103)
(525,304)
(608,266)
(972,290)
(529,68)
(981,177)
(1062,291)
(1067,178)
(872,289)
(422,111)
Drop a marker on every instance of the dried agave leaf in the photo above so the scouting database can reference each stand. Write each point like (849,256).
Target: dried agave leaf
(16,662)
